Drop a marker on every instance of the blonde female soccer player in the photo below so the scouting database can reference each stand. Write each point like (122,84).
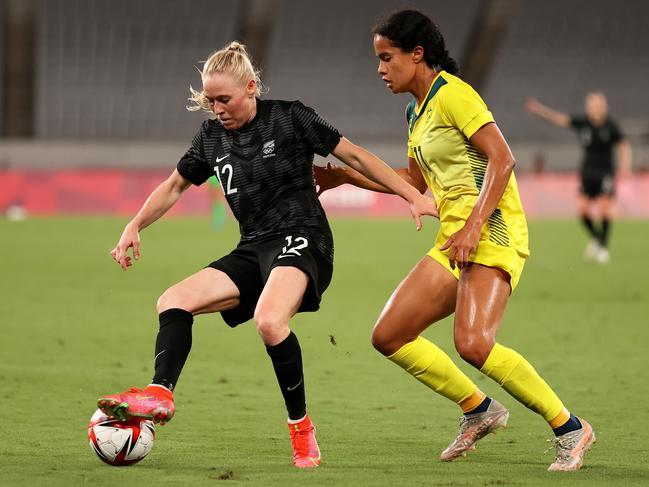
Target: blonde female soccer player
(262,153)
(456,150)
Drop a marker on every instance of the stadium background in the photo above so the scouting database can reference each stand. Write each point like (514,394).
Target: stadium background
(100,87)
(92,117)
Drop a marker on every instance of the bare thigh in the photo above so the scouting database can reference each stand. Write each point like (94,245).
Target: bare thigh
(583,205)
(207,291)
(278,303)
(605,206)
(482,296)
(426,295)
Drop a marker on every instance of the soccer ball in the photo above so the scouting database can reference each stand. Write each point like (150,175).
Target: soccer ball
(120,443)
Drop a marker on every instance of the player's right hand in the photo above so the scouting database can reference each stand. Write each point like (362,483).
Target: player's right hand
(130,238)
(328,177)
(423,205)
(532,105)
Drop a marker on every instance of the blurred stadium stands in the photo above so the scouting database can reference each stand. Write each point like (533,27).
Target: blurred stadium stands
(557,51)
(121,68)
(329,63)
(110,77)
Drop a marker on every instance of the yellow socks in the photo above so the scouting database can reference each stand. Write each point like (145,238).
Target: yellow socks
(427,363)
(517,376)
(431,366)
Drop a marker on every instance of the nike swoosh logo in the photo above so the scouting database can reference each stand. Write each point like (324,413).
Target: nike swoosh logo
(285,255)
(154,358)
(295,386)
(219,159)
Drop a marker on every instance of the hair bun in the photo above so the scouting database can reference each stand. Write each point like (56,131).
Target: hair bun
(237,47)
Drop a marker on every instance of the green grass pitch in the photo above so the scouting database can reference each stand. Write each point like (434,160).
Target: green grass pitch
(74,326)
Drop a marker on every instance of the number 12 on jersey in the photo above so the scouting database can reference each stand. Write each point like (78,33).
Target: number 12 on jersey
(225,168)
(293,246)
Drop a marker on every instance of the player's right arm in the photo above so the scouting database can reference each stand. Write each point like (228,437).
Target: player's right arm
(330,176)
(559,119)
(157,204)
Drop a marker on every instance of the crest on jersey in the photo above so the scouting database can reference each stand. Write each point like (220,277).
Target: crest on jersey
(268,149)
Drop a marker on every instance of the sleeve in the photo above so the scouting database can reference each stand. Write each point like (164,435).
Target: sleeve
(577,122)
(320,136)
(464,108)
(616,133)
(193,164)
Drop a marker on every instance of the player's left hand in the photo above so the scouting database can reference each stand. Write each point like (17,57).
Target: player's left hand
(461,245)
(328,177)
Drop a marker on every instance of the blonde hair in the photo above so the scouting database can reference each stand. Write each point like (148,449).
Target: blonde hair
(232,59)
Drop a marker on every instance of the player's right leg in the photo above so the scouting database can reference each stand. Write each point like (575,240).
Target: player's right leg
(209,290)
(425,296)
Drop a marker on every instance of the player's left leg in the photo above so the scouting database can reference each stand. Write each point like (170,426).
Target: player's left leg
(483,293)
(605,204)
(278,303)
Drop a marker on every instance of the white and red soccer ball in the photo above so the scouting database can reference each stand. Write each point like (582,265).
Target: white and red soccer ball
(120,443)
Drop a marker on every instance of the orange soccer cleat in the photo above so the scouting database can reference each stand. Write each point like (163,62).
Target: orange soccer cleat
(306,453)
(154,402)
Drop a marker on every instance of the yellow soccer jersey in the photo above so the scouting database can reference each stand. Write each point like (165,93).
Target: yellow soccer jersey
(438,139)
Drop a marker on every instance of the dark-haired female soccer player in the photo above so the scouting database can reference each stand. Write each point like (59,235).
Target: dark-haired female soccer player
(262,153)
(598,135)
(456,150)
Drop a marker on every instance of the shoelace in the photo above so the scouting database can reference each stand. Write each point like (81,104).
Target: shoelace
(301,442)
(563,447)
(465,422)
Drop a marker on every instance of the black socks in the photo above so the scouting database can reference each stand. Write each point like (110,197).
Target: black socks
(600,234)
(287,362)
(573,424)
(482,407)
(172,346)
(174,342)
(603,235)
(590,226)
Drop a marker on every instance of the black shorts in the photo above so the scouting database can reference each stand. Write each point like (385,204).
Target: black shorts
(594,185)
(250,264)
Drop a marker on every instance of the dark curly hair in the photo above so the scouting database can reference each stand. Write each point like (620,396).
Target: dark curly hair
(408,29)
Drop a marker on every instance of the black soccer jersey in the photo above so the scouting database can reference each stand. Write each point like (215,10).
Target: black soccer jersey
(266,170)
(598,142)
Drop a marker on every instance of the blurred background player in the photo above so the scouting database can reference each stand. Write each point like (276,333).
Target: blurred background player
(217,203)
(456,150)
(598,134)
(263,152)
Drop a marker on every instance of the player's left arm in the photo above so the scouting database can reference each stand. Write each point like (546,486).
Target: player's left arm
(378,171)
(490,141)
(624,157)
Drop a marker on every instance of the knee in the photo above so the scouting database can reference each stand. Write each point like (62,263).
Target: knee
(386,341)
(380,342)
(474,350)
(174,298)
(271,325)
(168,300)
